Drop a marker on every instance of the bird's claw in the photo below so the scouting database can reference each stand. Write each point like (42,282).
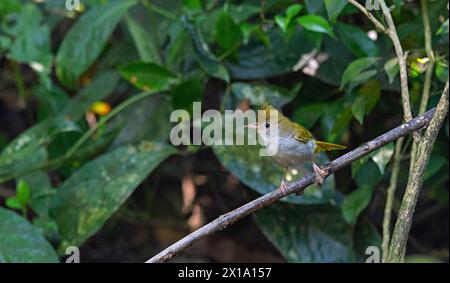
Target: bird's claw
(320,175)
(283,187)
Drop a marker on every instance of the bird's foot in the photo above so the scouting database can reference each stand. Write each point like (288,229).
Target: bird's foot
(283,187)
(320,175)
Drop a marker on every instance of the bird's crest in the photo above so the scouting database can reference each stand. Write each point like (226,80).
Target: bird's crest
(266,108)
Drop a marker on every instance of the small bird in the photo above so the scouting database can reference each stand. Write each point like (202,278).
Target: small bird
(296,145)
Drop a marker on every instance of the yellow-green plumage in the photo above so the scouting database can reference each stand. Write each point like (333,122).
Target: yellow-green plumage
(296,145)
(299,132)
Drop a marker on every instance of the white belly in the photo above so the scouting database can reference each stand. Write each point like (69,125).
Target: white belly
(292,152)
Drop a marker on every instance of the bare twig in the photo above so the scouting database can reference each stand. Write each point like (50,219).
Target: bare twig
(374,20)
(427,29)
(391,31)
(295,187)
(390,197)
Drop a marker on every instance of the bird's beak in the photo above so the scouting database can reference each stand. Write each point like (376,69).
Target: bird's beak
(252,126)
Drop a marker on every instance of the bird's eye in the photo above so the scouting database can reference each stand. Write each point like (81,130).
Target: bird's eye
(267,125)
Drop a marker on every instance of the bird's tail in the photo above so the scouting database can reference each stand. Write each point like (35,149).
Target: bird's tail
(325,146)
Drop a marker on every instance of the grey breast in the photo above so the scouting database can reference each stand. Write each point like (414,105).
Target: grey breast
(292,152)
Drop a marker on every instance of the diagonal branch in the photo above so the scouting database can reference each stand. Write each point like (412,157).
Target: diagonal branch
(295,187)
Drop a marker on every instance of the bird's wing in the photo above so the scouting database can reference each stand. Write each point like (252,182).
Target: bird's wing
(301,134)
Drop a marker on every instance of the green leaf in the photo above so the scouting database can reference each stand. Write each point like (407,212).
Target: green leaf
(359,108)
(308,115)
(334,8)
(356,40)
(41,191)
(25,152)
(151,111)
(367,97)
(51,101)
(208,61)
(313,6)
(444,28)
(32,40)
(362,78)
(86,40)
(258,93)
(340,125)
(382,156)
(23,193)
(148,76)
(22,242)
(367,174)
(102,85)
(88,198)
(391,68)
(442,70)
(316,23)
(435,164)
(243,11)
(187,92)
(293,11)
(355,203)
(13,203)
(365,235)
(228,34)
(256,61)
(356,68)
(145,46)
(9,6)
(314,233)
(281,22)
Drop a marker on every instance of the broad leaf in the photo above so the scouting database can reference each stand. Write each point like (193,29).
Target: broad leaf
(187,92)
(258,94)
(316,24)
(356,40)
(32,40)
(228,33)
(92,194)
(315,233)
(148,76)
(355,203)
(334,8)
(313,6)
(366,173)
(356,68)
(308,115)
(256,61)
(87,39)
(103,85)
(444,28)
(146,120)
(208,61)
(435,164)
(391,68)
(145,46)
(25,152)
(21,242)
(382,156)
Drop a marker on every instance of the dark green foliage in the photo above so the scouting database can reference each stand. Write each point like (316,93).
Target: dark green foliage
(144,59)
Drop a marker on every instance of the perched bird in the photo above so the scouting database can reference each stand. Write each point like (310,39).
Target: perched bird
(296,145)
